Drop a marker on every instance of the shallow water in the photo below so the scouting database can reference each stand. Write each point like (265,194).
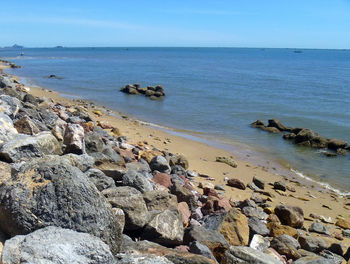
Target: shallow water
(216,91)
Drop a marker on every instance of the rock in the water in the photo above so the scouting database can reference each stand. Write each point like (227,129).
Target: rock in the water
(131,202)
(26,126)
(55,194)
(137,180)
(160,164)
(290,215)
(26,147)
(313,244)
(277,124)
(56,245)
(286,245)
(250,255)
(9,105)
(335,144)
(165,228)
(74,139)
(7,130)
(236,183)
(234,228)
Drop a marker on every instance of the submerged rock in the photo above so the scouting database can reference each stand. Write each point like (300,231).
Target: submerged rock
(56,245)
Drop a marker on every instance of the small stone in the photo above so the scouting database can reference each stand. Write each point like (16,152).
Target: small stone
(280,185)
(259,182)
(236,183)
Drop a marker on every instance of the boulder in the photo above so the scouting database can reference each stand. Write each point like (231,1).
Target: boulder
(82,162)
(7,130)
(26,126)
(26,147)
(313,244)
(159,201)
(259,182)
(56,245)
(256,226)
(286,245)
(138,180)
(162,179)
(198,248)
(74,139)
(335,144)
(93,142)
(234,227)
(166,228)
(236,183)
(258,124)
(131,202)
(55,194)
(317,227)
(9,105)
(184,195)
(290,215)
(250,211)
(101,181)
(277,124)
(160,164)
(309,138)
(250,255)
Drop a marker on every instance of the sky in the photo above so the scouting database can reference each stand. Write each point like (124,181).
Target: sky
(180,23)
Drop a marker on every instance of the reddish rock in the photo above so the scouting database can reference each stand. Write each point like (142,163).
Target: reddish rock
(236,184)
(222,204)
(126,154)
(208,207)
(162,179)
(210,192)
(185,212)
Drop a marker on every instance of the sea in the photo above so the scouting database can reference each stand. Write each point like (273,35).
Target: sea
(214,94)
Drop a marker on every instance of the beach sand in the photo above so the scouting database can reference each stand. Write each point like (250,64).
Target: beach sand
(312,198)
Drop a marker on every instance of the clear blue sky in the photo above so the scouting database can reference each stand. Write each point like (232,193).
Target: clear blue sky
(219,23)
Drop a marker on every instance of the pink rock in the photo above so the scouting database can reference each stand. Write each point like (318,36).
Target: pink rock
(236,183)
(162,179)
(184,210)
(222,204)
(126,154)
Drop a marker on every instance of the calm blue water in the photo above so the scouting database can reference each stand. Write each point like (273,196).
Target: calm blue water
(217,91)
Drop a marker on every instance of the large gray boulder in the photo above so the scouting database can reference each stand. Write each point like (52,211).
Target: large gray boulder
(51,245)
(7,130)
(9,105)
(160,164)
(26,147)
(138,180)
(165,228)
(51,192)
(131,202)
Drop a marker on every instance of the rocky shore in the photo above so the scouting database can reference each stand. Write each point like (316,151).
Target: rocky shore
(152,92)
(81,186)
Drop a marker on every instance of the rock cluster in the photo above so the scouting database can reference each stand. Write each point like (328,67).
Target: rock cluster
(73,191)
(152,92)
(305,137)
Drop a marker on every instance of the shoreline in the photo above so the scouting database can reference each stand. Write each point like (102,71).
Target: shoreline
(312,198)
(240,150)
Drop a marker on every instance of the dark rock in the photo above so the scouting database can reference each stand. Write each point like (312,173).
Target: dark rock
(290,215)
(256,226)
(286,245)
(277,124)
(258,124)
(179,170)
(179,160)
(26,147)
(336,259)
(160,164)
(101,181)
(250,255)
(280,185)
(335,144)
(198,248)
(236,183)
(259,182)
(309,138)
(138,180)
(131,202)
(56,245)
(313,244)
(314,259)
(55,194)
(28,98)
(184,195)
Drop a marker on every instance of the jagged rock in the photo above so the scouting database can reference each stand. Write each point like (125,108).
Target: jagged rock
(131,202)
(26,126)
(313,244)
(7,130)
(101,181)
(198,248)
(179,170)
(259,182)
(55,194)
(290,215)
(160,164)
(210,238)
(165,228)
(9,105)
(28,98)
(56,245)
(256,226)
(234,227)
(319,228)
(260,243)
(236,183)
(160,201)
(141,166)
(25,147)
(74,139)
(250,255)
(286,245)
(137,180)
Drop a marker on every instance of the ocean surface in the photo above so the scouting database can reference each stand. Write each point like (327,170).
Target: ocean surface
(217,92)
